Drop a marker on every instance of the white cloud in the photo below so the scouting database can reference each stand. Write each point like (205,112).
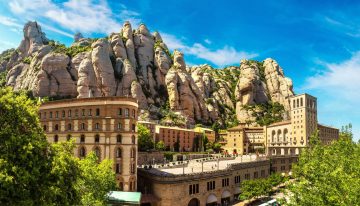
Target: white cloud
(220,57)
(207,41)
(7,21)
(84,16)
(342,79)
(338,90)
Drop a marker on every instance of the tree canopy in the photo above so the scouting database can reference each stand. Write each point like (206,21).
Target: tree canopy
(145,140)
(33,172)
(260,187)
(327,175)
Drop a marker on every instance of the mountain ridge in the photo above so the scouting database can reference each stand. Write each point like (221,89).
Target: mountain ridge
(139,64)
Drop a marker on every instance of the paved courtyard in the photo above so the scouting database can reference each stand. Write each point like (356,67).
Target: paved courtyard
(197,167)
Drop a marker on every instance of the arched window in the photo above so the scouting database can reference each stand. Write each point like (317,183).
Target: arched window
(119,126)
(68,137)
(97,126)
(97,152)
(97,138)
(133,139)
(133,113)
(118,138)
(278,135)
(82,152)
(297,103)
(118,168)
(82,138)
(285,135)
(118,153)
(273,136)
(69,127)
(126,112)
(121,186)
(56,127)
(44,127)
(56,138)
(133,168)
(133,127)
(82,126)
(133,153)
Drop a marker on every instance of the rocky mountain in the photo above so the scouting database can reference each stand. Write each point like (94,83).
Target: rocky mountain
(138,63)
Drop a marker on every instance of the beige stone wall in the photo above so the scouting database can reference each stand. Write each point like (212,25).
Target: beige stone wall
(177,193)
(327,134)
(91,118)
(234,141)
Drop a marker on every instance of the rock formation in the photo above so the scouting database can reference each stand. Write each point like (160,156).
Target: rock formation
(137,63)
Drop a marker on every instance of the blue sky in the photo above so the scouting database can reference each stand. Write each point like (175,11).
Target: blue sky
(316,43)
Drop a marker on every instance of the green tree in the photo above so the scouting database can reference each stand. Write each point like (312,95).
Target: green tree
(145,140)
(254,188)
(217,147)
(327,175)
(160,146)
(260,187)
(96,180)
(24,168)
(32,172)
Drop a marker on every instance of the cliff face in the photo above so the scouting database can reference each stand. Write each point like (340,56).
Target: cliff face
(137,63)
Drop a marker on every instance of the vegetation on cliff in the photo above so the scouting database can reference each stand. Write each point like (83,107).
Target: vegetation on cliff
(266,113)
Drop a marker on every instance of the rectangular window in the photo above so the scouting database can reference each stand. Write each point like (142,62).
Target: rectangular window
(126,112)
(262,173)
(83,112)
(193,189)
(90,110)
(256,174)
(57,114)
(50,114)
(247,176)
(119,111)
(69,113)
(97,112)
(210,185)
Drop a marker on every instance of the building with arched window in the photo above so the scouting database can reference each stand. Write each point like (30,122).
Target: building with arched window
(97,126)
(282,141)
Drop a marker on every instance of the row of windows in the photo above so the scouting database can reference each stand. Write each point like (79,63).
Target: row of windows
(43,115)
(97,126)
(96,138)
(118,153)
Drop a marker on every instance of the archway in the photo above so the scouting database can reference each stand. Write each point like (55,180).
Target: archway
(194,202)
(225,197)
(211,200)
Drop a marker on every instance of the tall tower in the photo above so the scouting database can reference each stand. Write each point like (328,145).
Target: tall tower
(303,119)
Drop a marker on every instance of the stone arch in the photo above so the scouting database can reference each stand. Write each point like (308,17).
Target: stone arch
(194,202)
(297,151)
(132,183)
(211,200)
(82,152)
(278,135)
(285,134)
(97,152)
(118,152)
(225,197)
(273,136)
